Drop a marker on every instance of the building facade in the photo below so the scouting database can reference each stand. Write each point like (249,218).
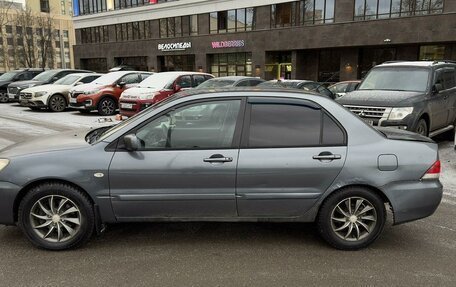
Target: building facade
(323,40)
(36,33)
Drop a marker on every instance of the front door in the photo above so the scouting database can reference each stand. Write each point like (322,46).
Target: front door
(290,155)
(185,166)
(438,103)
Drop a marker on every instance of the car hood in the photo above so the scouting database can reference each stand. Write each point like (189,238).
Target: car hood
(138,93)
(26,83)
(379,98)
(62,141)
(88,87)
(48,88)
(4,83)
(397,134)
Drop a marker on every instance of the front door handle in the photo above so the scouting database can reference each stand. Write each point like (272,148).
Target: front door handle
(218,158)
(327,156)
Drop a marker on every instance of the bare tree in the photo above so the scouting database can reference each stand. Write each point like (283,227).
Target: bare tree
(5,18)
(45,25)
(27,20)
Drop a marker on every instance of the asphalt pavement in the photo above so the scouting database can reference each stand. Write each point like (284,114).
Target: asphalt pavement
(419,253)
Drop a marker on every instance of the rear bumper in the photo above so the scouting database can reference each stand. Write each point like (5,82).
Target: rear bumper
(413,200)
(8,193)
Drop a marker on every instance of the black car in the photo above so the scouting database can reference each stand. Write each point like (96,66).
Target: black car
(299,84)
(14,76)
(47,77)
(419,96)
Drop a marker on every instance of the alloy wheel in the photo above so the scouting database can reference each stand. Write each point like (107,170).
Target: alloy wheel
(57,104)
(108,107)
(3,98)
(55,218)
(353,218)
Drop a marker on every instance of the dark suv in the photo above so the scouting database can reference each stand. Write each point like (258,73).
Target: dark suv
(417,96)
(47,77)
(14,76)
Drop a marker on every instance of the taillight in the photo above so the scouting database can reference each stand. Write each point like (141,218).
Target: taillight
(433,172)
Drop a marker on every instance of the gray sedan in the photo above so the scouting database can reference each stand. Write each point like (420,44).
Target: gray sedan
(265,155)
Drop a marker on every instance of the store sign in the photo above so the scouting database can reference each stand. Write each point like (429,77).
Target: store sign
(174,46)
(228,44)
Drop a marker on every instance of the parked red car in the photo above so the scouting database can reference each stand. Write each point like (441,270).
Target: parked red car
(103,93)
(156,88)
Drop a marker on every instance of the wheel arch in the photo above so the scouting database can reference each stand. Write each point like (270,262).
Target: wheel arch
(35,183)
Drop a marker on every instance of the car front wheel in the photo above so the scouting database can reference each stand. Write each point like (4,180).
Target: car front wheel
(3,97)
(57,103)
(56,216)
(352,218)
(107,107)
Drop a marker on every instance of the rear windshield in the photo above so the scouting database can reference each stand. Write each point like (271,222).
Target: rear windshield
(397,79)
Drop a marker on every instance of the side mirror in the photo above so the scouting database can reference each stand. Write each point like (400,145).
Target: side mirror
(437,88)
(121,84)
(131,142)
(177,88)
(55,79)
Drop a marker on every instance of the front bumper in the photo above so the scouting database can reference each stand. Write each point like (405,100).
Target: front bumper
(412,200)
(85,105)
(8,194)
(31,103)
(131,107)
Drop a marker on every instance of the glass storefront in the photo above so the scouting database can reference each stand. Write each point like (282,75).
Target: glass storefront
(278,65)
(137,63)
(432,52)
(176,63)
(370,57)
(230,64)
(95,64)
(329,66)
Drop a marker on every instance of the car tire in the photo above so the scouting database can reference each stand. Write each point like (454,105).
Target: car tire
(107,107)
(4,97)
(351,218)
(56,216)
(422,128)
(57,103)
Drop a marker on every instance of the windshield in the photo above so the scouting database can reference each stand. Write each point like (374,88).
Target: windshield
(109,78)
(8,76)
(157,81)
(45,76)
(396,79)
(67,80)
(216,83)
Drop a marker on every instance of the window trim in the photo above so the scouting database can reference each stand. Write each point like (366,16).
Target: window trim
(287,101)
(118,143)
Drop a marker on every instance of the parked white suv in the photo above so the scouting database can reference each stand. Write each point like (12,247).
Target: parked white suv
(54,97)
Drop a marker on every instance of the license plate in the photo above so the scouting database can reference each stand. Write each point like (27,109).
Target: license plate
(126,106)
(73,100)
(369,122)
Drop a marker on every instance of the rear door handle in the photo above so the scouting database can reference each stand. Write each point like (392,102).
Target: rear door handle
(327,156)
(218,158)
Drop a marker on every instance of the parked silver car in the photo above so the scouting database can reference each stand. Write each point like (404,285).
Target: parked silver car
(266,155)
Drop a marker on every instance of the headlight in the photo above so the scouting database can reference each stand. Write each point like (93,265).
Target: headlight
(3,163)
(40,94)
(90,92)
(400,113)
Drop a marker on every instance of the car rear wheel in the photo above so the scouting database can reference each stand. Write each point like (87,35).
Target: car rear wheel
(352,218)
(57,103)
(107,107)
(3,97)
(56,216)
(422,128)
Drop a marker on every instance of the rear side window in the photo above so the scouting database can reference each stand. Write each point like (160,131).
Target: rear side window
(282,125)
(130,79)
(198,80)
(244,83)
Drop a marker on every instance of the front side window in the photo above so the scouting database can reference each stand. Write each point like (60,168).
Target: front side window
(203,125)
(286,125)
(130,79)
(184,82)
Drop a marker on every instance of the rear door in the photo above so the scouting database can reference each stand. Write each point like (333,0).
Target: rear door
(291,152)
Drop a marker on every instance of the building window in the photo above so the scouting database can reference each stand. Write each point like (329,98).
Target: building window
(329,66)
(230,64)
(95,64)
(44,6)
(432,52)
(176,63)
(178,26)
(381,9)
(237,20)
(306,12)
(278,65)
